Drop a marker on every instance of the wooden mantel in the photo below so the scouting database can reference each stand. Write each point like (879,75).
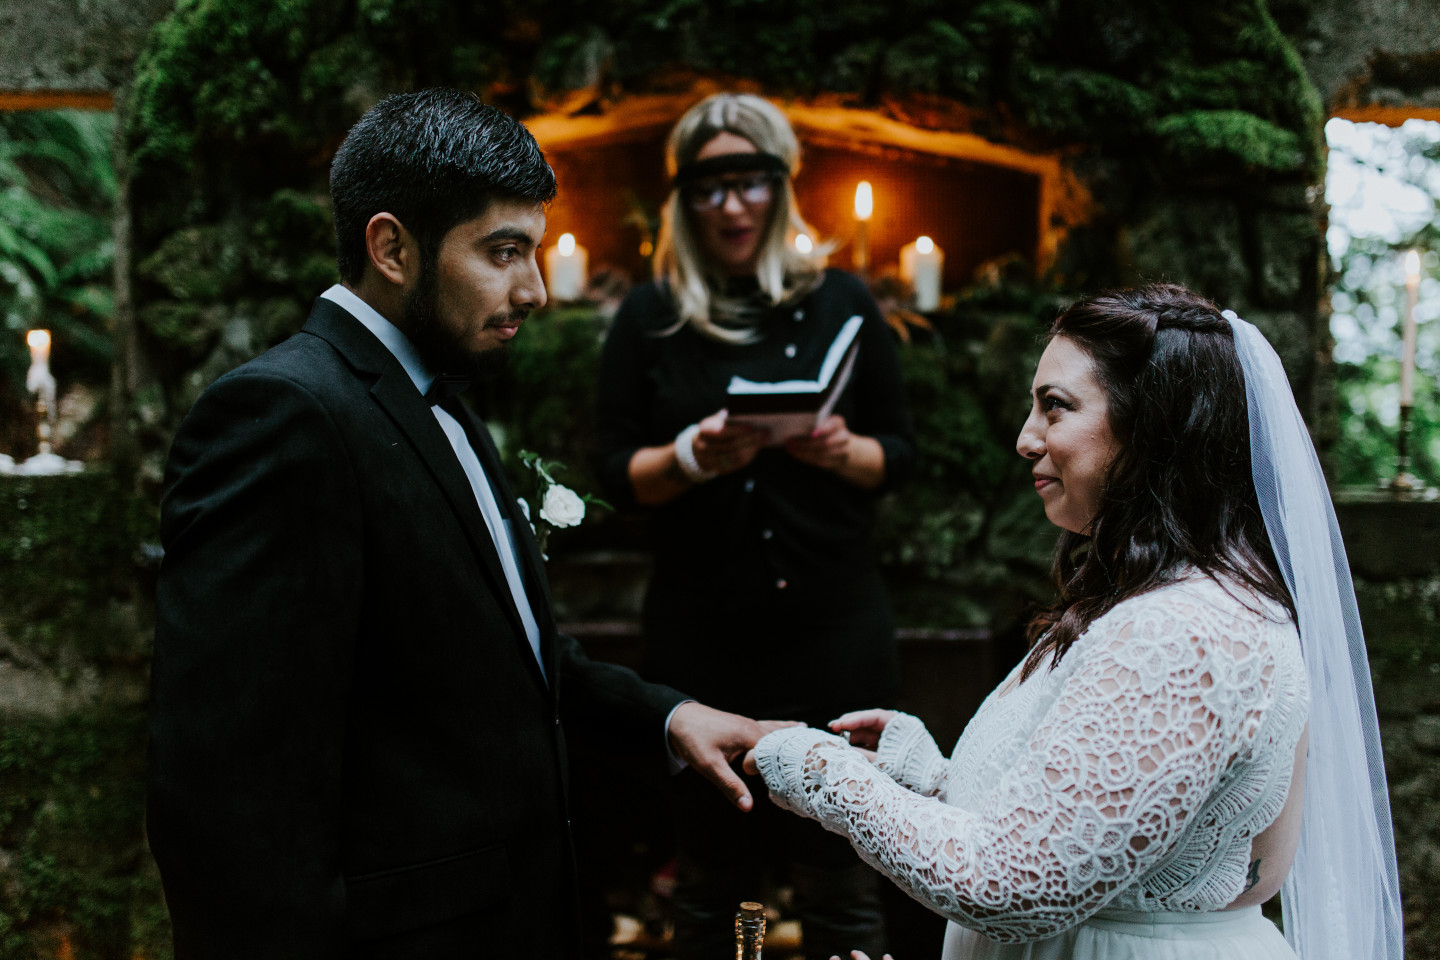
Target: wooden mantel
(16,100)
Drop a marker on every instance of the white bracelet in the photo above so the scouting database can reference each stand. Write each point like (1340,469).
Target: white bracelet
(685,455)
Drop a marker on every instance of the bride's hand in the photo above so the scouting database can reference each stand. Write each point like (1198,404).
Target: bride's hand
(860,955)
(863,727)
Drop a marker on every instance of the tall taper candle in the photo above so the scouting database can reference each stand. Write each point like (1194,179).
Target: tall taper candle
(864,207)
(38,379)
(1407,353)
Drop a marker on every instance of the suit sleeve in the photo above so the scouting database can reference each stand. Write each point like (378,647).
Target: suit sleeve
(610,705)
(624,398)
(881,408)
(257,607)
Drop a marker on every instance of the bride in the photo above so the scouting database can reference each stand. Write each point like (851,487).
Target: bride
(1193,730)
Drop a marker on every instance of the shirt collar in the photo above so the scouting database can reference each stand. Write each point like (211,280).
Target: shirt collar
(386,332)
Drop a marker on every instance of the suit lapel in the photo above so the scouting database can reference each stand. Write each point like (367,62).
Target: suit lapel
(537,588)
(395,392)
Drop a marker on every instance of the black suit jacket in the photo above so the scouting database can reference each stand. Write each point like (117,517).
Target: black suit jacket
(354,752)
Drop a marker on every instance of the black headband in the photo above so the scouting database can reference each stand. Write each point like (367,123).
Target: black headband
(730,163)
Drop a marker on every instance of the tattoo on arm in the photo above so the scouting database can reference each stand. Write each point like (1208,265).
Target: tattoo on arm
(1253,877)
(673,472)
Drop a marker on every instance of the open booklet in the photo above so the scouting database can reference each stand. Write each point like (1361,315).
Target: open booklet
(792,408)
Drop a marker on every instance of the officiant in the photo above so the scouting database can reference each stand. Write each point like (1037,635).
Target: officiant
(766,594)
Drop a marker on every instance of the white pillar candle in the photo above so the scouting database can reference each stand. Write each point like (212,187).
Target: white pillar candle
(1407,355)
(566,267)
(922,264)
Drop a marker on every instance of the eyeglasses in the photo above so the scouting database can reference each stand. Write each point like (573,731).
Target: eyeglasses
(712,194)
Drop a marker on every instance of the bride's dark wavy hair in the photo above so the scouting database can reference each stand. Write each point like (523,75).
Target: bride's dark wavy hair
(1179,491)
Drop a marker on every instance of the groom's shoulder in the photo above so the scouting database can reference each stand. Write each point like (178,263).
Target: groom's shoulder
(320,356)
(302,360)
(304,370)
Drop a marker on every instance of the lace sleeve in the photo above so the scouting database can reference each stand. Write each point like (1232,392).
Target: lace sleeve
(1134,744)
(908,753)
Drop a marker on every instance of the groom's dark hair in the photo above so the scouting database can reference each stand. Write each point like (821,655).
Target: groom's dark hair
(433,159)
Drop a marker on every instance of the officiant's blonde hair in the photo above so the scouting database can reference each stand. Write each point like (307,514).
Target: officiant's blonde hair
(681,265)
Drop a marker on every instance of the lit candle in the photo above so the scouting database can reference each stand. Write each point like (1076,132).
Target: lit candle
(38,380)
(921,265)
(1407,356)
(39,343)
(864,207)
(566,265)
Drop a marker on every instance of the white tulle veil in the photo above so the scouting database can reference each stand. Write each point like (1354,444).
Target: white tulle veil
(1342,898)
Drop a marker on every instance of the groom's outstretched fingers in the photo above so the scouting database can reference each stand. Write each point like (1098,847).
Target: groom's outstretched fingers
(710,740)
(862,728)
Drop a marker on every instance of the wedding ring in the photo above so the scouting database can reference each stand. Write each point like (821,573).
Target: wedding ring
(846,735)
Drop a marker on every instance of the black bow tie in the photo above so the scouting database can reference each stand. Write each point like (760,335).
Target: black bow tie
(446,386)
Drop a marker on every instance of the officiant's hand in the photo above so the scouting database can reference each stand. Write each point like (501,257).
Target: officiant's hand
(724,447)
(710,740)
(831,446)
(862,728)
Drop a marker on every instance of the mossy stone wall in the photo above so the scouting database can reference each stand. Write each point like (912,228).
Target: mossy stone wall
(1394,552)
(75,625)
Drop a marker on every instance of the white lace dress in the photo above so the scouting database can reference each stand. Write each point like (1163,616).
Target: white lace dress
(1103,808)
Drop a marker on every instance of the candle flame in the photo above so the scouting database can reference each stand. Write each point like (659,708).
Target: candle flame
(38,339)
(924,245)
(864,200)
(1412,265)
(566,244)
(803,243)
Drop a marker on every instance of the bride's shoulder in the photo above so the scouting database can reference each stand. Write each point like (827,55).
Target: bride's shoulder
(1199,607)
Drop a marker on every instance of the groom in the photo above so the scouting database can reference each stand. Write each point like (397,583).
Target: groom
(360,698)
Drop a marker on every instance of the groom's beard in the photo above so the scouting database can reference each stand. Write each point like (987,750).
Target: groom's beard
(442,348)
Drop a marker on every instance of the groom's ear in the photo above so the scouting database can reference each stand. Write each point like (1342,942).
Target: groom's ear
(392,250)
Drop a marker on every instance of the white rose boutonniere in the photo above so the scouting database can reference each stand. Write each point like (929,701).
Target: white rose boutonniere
(557,506)
(562,507)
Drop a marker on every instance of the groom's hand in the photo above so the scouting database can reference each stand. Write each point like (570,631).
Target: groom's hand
(709,740)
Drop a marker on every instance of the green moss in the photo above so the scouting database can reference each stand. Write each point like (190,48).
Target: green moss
(199,263)
(1080,103)
(188,328)
(68,549)
(1203,138)
(292,243)
(937,59)
(72,811)
(221,69)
